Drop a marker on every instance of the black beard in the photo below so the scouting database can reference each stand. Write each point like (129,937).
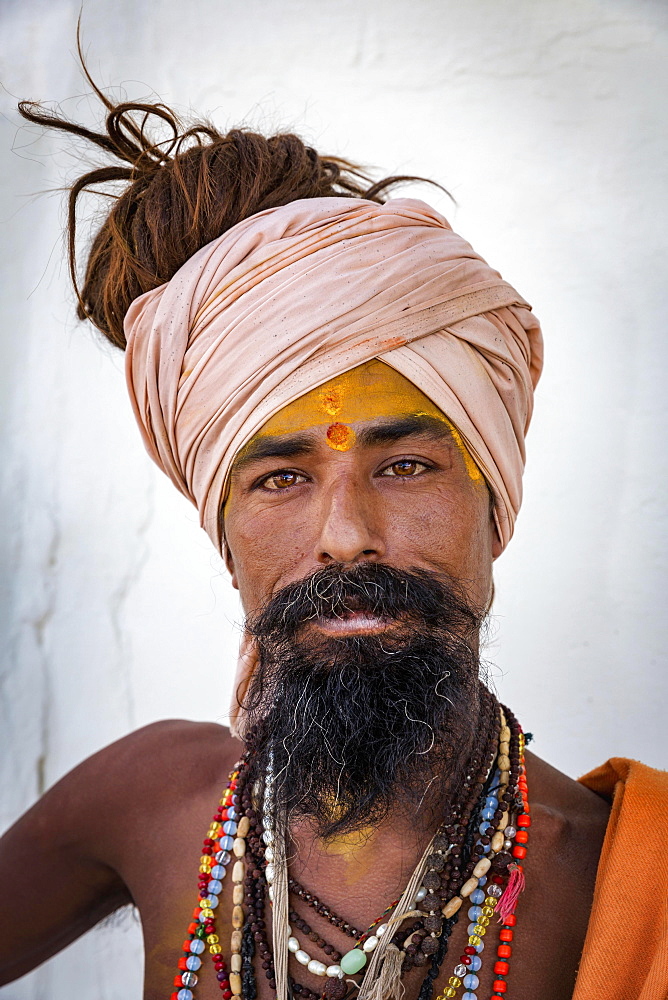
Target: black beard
(361,725)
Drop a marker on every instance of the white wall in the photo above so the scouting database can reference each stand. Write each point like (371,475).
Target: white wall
(546,120)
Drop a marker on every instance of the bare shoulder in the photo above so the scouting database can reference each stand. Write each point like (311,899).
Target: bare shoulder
(172,733)
(168,748)
(147,768)
(87,840)
(95,807)
(563,795)
(569,823)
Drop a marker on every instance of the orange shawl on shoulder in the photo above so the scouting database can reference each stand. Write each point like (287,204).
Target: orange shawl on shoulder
(625,955)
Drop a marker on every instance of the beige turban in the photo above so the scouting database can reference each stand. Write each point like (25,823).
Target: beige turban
(293,296)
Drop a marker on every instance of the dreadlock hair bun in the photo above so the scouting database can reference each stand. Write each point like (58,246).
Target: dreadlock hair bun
(179,194)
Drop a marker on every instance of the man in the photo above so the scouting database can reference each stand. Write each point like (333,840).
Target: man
(342,387)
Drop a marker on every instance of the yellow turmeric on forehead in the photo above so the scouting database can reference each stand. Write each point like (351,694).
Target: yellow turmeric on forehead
(370,391)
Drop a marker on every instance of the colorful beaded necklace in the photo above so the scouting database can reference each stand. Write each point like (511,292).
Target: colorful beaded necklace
(455,871)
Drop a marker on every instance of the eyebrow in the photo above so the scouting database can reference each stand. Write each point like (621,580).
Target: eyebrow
(418,425)
(292,445)
(285,446)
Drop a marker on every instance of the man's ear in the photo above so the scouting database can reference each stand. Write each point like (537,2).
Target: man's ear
(497,544)
(229,563)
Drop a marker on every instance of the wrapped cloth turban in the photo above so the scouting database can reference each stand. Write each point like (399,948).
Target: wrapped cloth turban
(295,295)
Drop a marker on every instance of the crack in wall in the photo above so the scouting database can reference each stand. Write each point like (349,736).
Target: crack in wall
(40,626)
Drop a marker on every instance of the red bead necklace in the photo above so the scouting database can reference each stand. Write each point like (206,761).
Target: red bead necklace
(225,843)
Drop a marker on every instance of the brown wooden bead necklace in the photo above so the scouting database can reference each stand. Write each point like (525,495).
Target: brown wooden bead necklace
(460,856)
(422,942)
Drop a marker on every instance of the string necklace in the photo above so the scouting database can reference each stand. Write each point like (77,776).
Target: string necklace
(475,857)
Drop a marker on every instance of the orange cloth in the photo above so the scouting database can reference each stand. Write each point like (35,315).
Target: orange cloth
(625,955)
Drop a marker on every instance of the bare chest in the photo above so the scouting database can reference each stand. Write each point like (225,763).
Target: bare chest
(538,958)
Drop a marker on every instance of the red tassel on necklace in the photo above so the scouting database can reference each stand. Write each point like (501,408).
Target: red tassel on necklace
(512,893)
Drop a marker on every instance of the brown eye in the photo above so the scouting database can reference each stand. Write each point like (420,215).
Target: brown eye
(406,467)
(281,480)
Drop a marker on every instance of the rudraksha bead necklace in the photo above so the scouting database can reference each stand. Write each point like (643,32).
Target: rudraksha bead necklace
(481,844)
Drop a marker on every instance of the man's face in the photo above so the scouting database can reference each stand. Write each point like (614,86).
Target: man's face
(360,537)
(363,469)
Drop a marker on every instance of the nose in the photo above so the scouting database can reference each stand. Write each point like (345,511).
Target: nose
(348,531)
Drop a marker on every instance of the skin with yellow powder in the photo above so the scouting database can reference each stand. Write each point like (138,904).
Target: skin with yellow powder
(335,415)
(371,390)
(405,492)
(365,466)
(367,392)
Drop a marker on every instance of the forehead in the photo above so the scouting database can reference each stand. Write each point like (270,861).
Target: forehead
(370,391)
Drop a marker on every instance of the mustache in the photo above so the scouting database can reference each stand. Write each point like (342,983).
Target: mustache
(422,597)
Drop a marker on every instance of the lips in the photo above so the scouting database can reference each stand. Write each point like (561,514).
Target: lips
(354,623)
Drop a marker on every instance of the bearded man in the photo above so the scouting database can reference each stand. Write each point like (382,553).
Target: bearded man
(342,387)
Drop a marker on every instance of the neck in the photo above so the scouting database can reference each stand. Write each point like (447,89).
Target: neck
(374,860)
(381,854)
(373,866)
(329,782)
